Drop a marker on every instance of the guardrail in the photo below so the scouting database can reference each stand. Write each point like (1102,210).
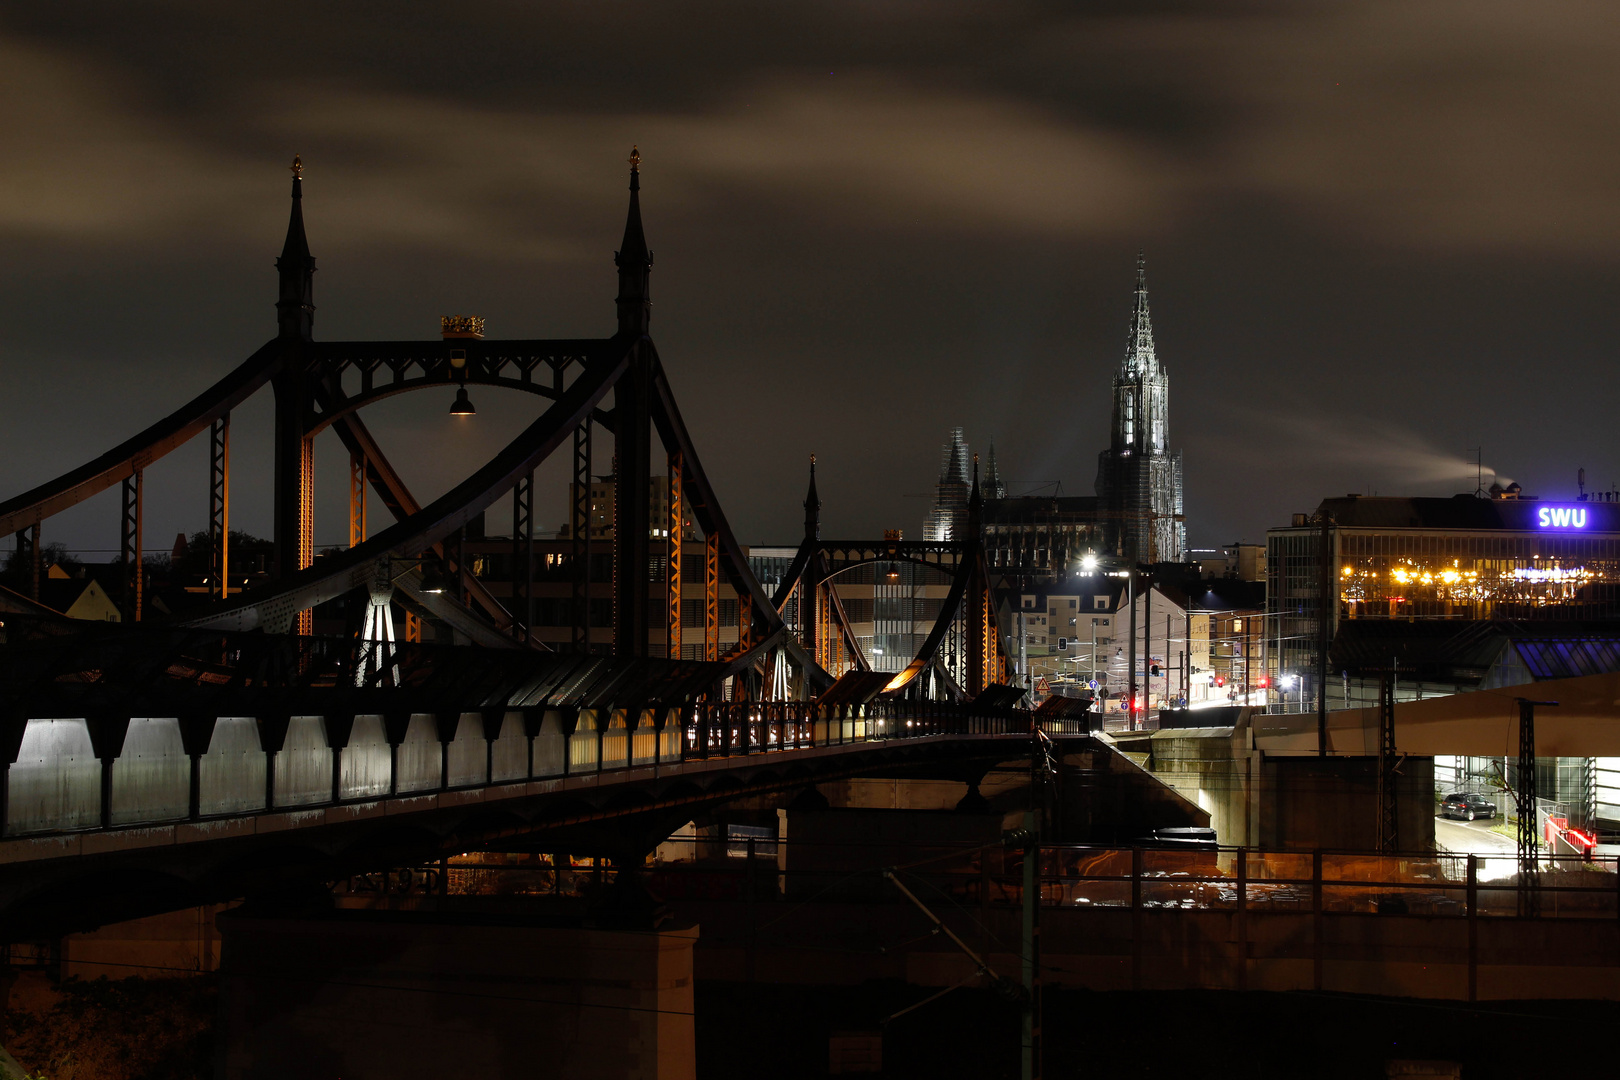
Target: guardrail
(118,771)
(1071,876)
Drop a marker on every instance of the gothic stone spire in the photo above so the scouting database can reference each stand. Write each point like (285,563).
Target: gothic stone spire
(635,262)
(1139,355)
(812,506)
(295,310)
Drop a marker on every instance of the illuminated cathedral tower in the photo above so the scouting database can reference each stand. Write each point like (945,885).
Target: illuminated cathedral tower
(1138,478)
(948,519)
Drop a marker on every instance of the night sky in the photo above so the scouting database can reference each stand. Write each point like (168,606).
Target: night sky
(1377,234)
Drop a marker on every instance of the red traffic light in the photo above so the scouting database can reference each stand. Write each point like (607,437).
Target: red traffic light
(1220,680)
(1264,682)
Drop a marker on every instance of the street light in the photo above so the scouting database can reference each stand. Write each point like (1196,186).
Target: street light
(1114,566)
(434,580)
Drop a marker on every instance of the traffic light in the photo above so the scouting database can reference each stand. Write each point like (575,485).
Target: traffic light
(1264,682)
(1220,680)
(1153,669)
(1063,644)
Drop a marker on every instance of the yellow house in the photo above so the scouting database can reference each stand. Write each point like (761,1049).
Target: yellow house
(90,602)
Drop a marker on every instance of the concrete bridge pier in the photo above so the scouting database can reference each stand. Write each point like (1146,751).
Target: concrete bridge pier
(439,988)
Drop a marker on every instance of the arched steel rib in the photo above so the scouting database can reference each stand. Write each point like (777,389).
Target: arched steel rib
(357,439)
(487,365)
(790,578)
(706,507)
(942,625)
(139,451)
(273,609)
(841,617)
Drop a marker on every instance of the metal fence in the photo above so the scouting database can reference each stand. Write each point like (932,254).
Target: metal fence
(1070,876)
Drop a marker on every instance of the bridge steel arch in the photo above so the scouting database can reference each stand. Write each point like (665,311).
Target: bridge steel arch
(325,384)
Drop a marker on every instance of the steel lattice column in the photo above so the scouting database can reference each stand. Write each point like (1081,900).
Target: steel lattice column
(129,544)
(1529,868)
(357,499)
(580,524)
(711,597)
(219,506)
(1389,840)
(306,522)
(672,570)
(523,558)
(975,631)
(745,617)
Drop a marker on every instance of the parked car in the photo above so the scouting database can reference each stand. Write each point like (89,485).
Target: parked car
(1467,805)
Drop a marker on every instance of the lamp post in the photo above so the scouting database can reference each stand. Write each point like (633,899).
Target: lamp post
(1117,567)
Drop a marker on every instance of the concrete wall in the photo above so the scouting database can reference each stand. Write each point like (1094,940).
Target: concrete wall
(1332,803)
(550,745)
(304,764)
(231,773)
(151,779)
(1295,801)
(1166,949)
(454,992)
(177,943)
(367,760)
(467,751)
(55,782)
(421,761)
(510,758)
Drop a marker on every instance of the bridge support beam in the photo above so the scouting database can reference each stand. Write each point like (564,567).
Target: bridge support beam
(580,530)
(219,506)
(711,598)
(129,545)
(672,563)
(523,558)
(632,510)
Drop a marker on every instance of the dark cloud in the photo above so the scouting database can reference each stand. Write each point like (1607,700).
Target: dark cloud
(1377,233)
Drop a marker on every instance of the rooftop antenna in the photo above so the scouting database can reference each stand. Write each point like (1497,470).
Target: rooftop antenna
(1580,482)
(1479,470)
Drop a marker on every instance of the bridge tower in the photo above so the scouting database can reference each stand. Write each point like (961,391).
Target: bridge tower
(632,412)
(294,464)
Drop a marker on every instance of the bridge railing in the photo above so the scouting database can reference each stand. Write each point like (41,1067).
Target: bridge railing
(748,727)
(109,771)
(719,866)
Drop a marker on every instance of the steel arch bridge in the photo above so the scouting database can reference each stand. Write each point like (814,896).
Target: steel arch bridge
(614,386)
(142,748)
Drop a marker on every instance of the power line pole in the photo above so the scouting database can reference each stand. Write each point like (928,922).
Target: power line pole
(1388,818)
(1324,598)
(1529,870)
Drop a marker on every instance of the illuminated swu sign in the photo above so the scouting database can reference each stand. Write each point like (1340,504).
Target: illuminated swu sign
(1561,517)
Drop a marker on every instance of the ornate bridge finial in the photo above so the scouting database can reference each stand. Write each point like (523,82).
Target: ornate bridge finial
(812,461)
(635,159)
(298,167)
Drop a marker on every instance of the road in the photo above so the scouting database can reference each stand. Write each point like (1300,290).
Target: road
(1471,837)
(1476,838)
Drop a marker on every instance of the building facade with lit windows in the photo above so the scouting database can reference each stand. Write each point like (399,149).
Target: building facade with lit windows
(1464,558)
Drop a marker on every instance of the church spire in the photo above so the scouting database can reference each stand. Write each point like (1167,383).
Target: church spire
(812,506)
(634,262)
(295,309)
(994,488)
(1139,355)
(975,506)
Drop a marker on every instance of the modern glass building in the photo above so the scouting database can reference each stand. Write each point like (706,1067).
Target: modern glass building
(1466,558)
